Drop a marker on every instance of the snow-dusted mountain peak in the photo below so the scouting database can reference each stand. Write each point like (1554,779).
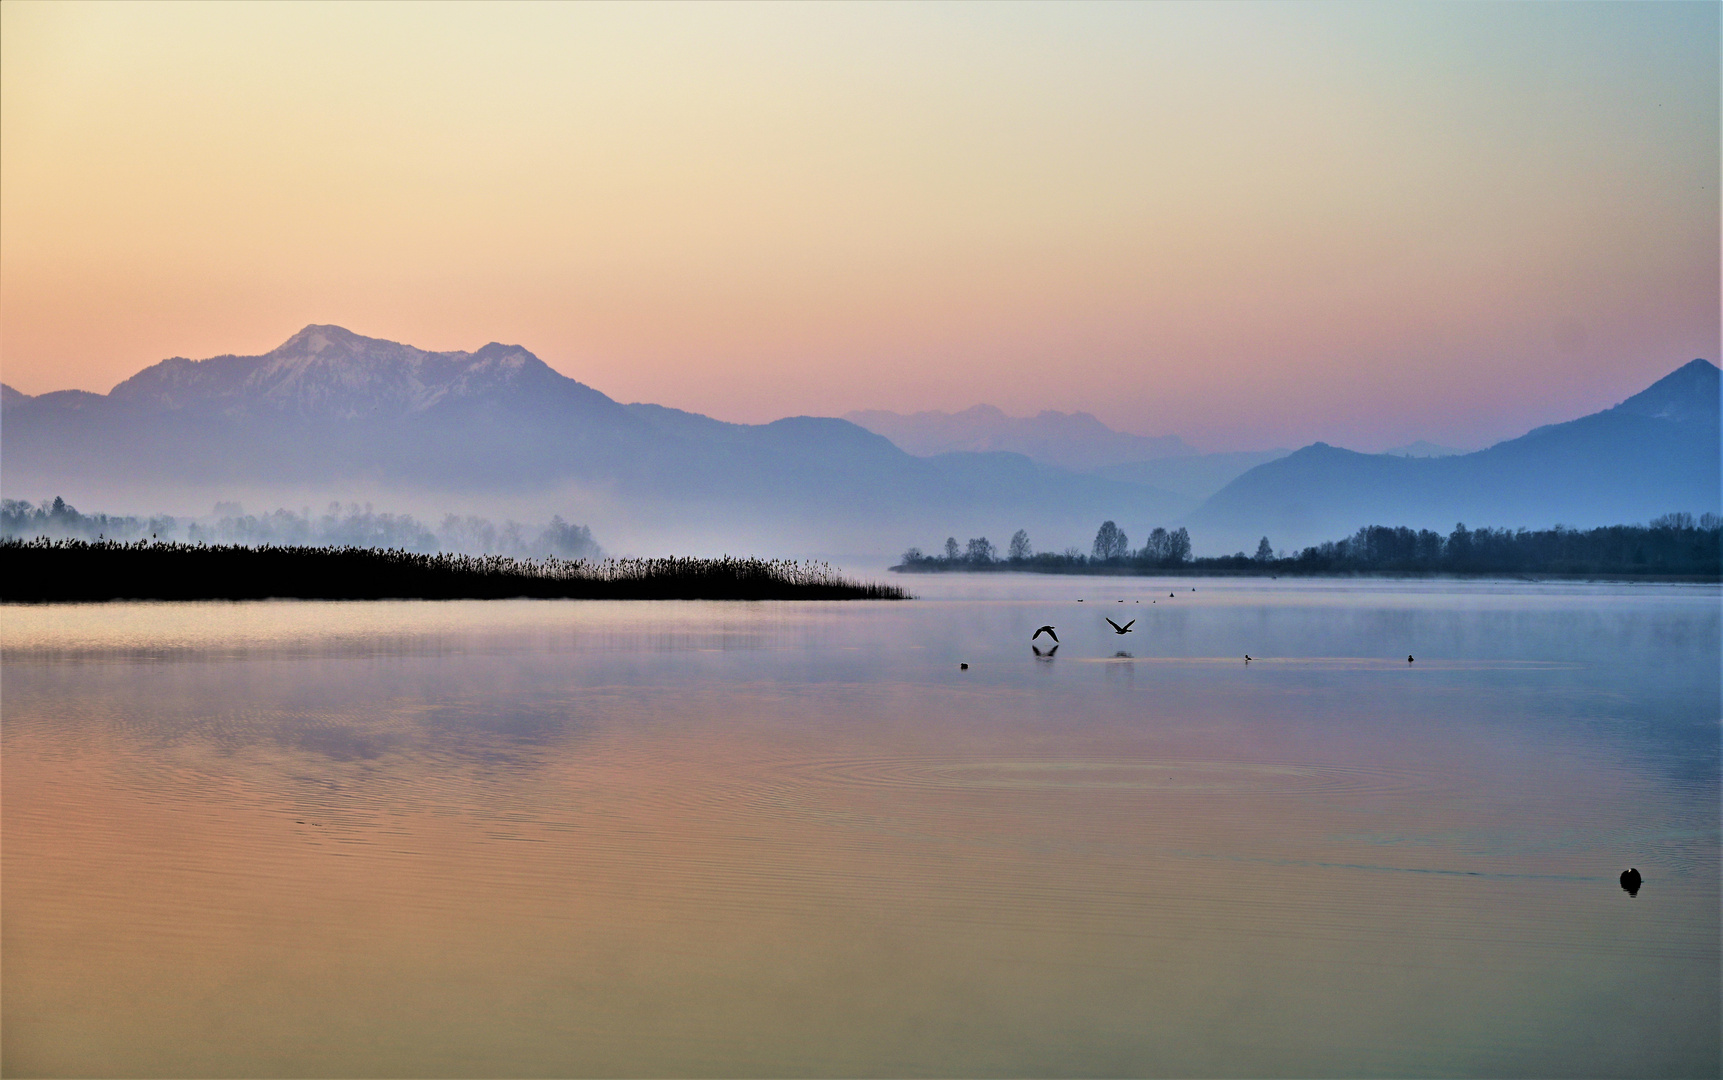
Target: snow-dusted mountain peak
(330,372)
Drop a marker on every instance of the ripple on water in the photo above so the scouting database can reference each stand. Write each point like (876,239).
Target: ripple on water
(1165,777)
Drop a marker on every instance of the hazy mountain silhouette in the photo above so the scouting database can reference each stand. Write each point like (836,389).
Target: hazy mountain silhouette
(334,415)
(1425,449)
(1656,452)
(1076,441)
(1195,477)
(330,409)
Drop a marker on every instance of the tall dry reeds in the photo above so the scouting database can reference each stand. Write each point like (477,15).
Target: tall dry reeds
(42,570)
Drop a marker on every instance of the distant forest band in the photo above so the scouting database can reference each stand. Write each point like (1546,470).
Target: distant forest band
(1675,546)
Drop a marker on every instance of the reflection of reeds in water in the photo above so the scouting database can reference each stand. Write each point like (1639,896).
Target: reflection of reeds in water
(37,571)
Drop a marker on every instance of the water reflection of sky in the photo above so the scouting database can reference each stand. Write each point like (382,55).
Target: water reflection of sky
(752,771)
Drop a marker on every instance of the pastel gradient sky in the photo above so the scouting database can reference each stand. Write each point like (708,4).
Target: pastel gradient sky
(1250,225)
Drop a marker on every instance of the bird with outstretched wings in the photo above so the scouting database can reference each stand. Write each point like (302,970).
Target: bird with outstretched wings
(1048,630)
(1117,629)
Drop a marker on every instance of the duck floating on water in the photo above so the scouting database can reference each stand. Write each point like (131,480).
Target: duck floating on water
(1630,880)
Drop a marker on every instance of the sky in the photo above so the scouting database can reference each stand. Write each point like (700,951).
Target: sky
(1247,225)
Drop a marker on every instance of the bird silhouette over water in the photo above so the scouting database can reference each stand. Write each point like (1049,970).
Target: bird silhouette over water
(1630,880)
(1048,630)
(1117,629)
(1408,659)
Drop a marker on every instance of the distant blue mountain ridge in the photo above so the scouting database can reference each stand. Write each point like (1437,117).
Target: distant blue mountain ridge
(1654,453)
(331,412)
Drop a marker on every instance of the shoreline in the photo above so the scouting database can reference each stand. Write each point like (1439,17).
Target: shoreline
(1338,575)
(76,571)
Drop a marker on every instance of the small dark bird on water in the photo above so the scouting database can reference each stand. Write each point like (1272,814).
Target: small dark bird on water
(1630,880)
(1408,659)
(1247,658)
(1117,629)
(1048,630)
(963,667)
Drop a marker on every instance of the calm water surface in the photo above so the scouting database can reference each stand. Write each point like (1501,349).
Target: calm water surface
(566,838)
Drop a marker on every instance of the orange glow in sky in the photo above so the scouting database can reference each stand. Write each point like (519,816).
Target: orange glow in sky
(1246,225)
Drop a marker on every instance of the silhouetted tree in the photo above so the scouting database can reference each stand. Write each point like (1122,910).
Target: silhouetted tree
(1179,546)
(980,552)
(1154,549)
(1459,547)
(1019,548)
(566,541)
(1264,550)
(951,552)
(1110,542)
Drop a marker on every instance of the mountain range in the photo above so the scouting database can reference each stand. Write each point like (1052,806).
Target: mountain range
(1076,441)
(332,414)
(1654,453)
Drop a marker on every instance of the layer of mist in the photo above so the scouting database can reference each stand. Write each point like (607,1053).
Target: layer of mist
(498,434)
(338,526)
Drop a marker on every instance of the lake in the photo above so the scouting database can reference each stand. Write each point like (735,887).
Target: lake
(564,838)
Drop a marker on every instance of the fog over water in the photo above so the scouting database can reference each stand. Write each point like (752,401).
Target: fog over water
(580,838)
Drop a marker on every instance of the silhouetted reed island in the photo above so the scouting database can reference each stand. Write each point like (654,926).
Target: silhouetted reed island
(1674,547)
(48,571)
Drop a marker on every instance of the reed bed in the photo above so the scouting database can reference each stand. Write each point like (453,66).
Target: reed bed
(65,571)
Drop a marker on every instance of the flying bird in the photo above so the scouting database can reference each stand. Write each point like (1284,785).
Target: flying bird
(1117,629)
(1048,630)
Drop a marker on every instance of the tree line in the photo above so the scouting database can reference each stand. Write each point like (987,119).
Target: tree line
(1162,549)
(339,526)
(1675,545)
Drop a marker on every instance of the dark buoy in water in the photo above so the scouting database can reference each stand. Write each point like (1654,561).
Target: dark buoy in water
(963,667)
(1630,881)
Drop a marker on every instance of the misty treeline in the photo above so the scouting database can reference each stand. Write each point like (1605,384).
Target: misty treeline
(1112,548)
(43,570)
(338,526)
(1675,545)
